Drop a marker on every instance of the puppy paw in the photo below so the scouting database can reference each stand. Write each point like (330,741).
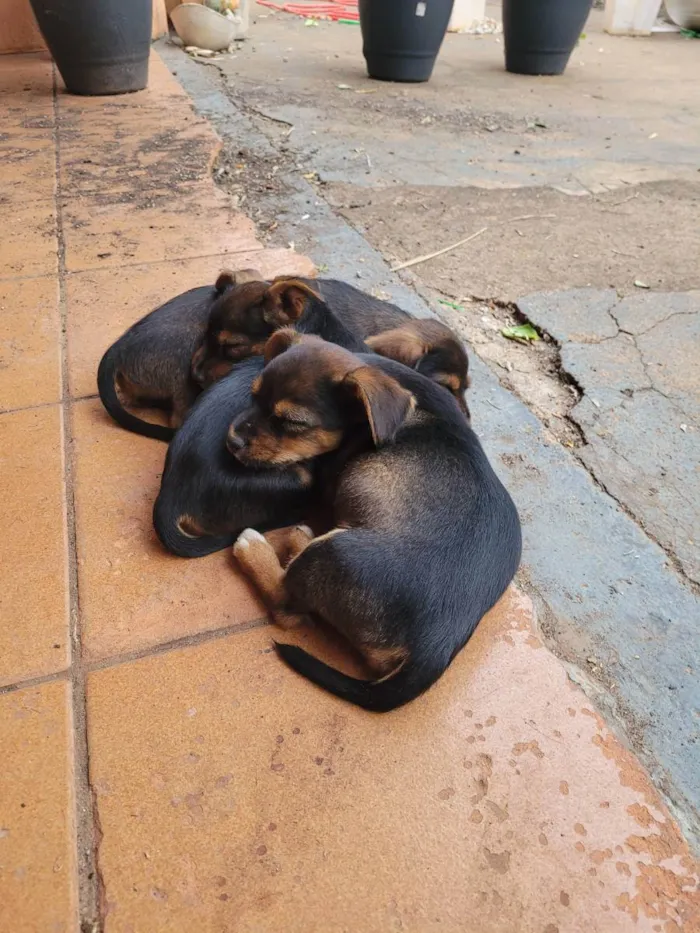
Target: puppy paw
(305,530)
(246,538)
(254,554)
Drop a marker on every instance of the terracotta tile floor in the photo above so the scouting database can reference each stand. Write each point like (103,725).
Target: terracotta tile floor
(161,770)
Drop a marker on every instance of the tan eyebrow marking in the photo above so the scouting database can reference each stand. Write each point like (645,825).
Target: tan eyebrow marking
(287,409)
(448,380)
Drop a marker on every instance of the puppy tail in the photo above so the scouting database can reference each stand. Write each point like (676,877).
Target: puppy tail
(378,696)
(107,387)
(173,539)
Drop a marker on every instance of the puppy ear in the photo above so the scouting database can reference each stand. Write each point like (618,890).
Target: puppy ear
(280,341)
(386,403)
(227,278)
(284,301)
(400,345)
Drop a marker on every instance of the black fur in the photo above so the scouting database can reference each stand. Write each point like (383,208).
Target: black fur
(201,478)
(155,353)
(367,314)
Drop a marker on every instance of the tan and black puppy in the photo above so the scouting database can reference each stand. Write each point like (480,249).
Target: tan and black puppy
(242,319)
(425,538)
(149,366)
(207,497)
(432,349)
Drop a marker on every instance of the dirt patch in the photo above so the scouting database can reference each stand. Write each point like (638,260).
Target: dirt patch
(395,105)
(254,183)
(609,240)
(531,370)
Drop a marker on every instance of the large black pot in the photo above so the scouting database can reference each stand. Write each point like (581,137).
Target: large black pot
(99,46)
(401,38)
(539,35)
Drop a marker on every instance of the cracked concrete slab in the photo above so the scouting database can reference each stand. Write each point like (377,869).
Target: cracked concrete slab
(635,363)
(581,315)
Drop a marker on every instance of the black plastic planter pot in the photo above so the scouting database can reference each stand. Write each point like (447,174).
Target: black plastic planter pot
(402,38)
(99,46)
(539,35)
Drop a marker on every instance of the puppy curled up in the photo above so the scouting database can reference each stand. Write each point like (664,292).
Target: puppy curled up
(244,317)
(425,538)
(149,365)
(207,497)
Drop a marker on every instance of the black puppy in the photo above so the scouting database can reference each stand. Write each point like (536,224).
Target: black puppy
(206,496)
(425,539)
(149,366)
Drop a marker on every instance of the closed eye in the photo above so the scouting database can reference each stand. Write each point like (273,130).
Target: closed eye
(290,425)
(294,426)
(234,351)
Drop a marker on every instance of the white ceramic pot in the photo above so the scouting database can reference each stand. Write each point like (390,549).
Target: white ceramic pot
(684,13)
(198,25)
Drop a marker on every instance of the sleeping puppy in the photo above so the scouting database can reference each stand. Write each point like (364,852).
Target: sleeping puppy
(425,537)
(207,497)
(432,349)
(245,316)
(149,366)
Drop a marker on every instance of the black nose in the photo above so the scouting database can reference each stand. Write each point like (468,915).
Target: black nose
(234,442)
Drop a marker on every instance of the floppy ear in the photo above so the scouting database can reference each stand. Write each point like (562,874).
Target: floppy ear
(284,301)
(280,341)
(227,278)
(400,345)
(386,403)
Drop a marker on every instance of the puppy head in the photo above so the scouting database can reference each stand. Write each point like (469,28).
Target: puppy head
(431,349)
(308,397)
(242,319)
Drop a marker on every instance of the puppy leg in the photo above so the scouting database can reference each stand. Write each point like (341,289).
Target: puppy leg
(289,542)
(258,560)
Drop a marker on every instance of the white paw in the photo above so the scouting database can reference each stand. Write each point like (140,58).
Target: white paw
(245,538)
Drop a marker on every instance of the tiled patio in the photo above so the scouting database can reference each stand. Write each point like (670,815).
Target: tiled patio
(161,770)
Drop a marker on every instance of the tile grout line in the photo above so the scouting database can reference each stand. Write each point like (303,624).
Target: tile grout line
(88,835)
(150,651)
(186,641)
(72,400)
(39,681)
(117,267)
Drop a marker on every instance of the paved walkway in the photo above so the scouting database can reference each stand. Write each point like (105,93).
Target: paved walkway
(161,770)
